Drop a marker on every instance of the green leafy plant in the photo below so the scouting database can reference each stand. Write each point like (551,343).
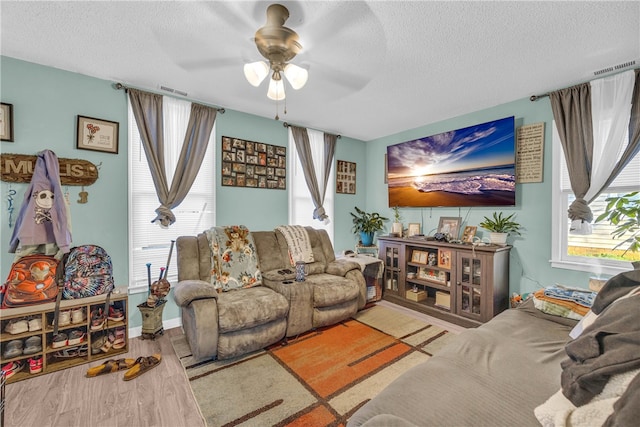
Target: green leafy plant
(624,213)
(501,224)
(367,222)
(396,214)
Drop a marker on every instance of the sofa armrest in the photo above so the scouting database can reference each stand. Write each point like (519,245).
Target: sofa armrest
(340,267)
(190,290)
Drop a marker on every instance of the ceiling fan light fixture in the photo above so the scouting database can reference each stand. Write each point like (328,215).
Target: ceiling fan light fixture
(256,72)
(297,76)
(276,90)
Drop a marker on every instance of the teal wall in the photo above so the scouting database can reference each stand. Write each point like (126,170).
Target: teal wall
(46,102)
(529,260)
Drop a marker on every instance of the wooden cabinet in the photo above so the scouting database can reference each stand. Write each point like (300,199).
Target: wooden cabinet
(459,283)
(88,340)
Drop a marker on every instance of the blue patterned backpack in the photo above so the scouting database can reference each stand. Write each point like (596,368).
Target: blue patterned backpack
(87,272)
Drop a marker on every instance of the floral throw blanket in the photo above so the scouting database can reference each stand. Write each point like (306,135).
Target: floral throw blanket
(234,261)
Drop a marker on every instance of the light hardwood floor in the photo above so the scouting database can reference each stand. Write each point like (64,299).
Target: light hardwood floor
(159,397)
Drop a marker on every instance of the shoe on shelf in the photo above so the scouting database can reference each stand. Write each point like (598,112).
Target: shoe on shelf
(97,319)
(11,368)
(13,349)
(77,315)
(35,365)
(35,324)
(64,318)
(59,340)
(97,341)
(120,339)
(17,326)
(75,337)
(115,314)
(33,345)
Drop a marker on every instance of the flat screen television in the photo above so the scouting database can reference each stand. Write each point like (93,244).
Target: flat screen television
(472,166)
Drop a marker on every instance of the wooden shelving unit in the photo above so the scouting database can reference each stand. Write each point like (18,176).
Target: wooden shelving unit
(51,361)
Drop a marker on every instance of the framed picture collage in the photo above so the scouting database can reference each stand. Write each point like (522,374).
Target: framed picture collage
(253,164)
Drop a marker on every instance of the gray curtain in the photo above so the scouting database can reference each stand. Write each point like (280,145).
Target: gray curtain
(147,110)
(301,138)
(572,113)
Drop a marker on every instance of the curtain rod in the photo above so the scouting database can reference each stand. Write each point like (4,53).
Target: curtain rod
(120,86)
(544,95)
(285,124)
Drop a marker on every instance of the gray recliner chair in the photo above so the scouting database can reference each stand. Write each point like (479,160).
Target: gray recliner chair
(226,324)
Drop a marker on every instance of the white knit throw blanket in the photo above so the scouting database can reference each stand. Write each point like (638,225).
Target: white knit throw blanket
(298,242)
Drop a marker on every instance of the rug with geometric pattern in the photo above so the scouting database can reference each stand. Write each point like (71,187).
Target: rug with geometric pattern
(319,378)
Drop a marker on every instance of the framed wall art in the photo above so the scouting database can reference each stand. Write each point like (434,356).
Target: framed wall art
(6,122)
(345,177)
(450,226)
(97,135)
(253,164)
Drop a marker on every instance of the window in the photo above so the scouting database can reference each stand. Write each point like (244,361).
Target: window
(300,204)
(594,252)
(148,242)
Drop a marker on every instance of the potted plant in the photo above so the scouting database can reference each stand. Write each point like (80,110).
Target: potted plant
(367,224)
(396,226)
(624,213)
(500,227)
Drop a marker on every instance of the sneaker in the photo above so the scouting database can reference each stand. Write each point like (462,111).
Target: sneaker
(17,326)
(65,318)
(59,340)
(75,337)
(77,315)
(13,349)
(35,324)
(11,368)
(97,319)
(32,345)
(35,365)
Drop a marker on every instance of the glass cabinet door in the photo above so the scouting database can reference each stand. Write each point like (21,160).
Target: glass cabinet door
(392,267)
(470,285)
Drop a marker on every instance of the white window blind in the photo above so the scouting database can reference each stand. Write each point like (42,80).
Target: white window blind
(300,203)
(148,242)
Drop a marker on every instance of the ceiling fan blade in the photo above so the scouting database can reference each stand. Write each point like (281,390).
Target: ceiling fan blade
(346,79)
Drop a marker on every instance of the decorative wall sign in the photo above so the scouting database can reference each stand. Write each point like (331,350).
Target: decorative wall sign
(97,135)
(19,168)
(253,164)
(345,177)
(6,122)
(529,153)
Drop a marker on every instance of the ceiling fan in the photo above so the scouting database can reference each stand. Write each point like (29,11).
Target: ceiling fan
(278,45)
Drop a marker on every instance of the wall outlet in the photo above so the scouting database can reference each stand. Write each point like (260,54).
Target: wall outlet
(596,284)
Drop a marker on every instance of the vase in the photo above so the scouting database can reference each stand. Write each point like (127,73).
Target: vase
(366,238)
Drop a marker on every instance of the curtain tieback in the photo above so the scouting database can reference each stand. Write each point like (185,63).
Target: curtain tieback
(319,214)
(165,216)
(580,209)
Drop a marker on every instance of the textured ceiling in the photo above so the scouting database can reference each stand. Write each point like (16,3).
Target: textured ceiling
(375,68)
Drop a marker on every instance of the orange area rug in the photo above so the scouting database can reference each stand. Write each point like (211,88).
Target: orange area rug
(317,379)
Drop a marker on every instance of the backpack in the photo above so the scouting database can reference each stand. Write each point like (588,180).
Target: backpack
(87,272)
(32,280)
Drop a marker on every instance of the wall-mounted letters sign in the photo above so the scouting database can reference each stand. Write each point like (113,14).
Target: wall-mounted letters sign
(19,168)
